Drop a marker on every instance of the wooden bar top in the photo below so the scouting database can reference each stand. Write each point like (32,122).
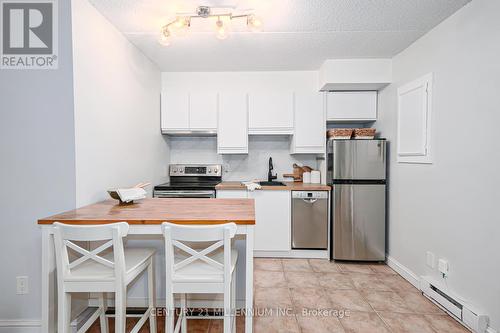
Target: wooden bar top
(290,186)
(158,210)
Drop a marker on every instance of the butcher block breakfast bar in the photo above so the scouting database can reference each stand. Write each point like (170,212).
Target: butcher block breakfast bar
(145,218)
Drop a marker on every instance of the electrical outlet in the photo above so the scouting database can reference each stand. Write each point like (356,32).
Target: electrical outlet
(22,287)
(431,260)
(443,266)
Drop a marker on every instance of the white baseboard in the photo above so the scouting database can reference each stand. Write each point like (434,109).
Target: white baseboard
(303,254)
(406,273)
(20,326)
(413,278)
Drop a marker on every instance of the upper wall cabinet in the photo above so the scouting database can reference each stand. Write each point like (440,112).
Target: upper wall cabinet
(203,111)
(183,112)
(355,74)
(309,136)
(174,111)
(351,106)
(414,121)
(232,133)
(270,112)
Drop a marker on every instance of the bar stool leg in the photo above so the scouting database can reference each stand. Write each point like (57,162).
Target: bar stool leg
(152,296)
(120,310)
(184,313)
(104,306)
(64,312)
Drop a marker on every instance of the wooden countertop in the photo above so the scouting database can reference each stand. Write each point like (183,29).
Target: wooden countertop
(156,211)
(290,186)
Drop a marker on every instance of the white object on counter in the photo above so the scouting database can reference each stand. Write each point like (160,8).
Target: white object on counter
(315,177)
(131,194)
(251,186)
(306,177)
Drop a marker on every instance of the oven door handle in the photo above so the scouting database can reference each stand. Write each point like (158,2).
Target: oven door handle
(186,194)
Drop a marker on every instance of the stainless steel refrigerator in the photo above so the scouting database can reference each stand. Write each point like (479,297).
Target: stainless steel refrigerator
(357,174)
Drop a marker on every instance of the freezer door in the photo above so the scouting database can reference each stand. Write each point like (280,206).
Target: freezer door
(357,159)
(358,216)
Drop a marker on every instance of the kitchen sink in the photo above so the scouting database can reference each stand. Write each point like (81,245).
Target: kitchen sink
(271,184)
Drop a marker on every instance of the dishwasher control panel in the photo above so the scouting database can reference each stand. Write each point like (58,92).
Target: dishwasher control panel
(309,194)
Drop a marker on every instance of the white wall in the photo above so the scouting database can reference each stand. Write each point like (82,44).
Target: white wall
(450,207)
(255,164)
(117,109)
(37,158)
(117,115)
(241,167)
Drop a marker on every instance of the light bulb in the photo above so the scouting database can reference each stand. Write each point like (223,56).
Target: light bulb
(180,26)
(164,38)
(221,30)
(254,23)
(180,22)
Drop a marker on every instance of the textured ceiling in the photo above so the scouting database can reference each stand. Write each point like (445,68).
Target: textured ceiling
(297,34)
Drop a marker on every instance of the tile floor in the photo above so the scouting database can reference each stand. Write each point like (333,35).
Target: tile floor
(319,296)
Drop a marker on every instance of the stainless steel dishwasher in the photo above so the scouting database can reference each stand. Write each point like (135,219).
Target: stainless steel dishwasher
(310,220)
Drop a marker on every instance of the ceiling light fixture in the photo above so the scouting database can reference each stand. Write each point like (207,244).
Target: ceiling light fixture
(182,23)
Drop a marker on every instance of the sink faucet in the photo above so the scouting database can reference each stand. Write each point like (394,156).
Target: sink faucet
(270,176)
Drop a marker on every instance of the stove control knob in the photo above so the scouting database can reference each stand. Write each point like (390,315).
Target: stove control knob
(209,170)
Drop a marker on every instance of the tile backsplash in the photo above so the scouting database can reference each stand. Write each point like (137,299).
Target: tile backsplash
(241,167)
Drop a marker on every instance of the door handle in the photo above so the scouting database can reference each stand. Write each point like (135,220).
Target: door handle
(311,201)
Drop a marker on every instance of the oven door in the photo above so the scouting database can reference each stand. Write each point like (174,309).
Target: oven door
(184,194)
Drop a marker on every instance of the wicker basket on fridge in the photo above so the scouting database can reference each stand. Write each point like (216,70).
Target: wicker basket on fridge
(340,133)
(364,133)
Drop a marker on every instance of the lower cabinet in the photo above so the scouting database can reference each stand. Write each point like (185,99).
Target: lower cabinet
(273,216)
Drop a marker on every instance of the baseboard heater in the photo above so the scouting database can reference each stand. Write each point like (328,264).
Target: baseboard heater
(461,311)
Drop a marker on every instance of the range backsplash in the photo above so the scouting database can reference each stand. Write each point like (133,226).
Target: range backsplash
(241,167)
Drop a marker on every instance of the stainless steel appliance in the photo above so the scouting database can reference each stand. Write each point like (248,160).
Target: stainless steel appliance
(310,220)
(357,174)
(190,181)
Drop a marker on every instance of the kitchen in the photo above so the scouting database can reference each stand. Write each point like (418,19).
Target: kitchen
(326,132)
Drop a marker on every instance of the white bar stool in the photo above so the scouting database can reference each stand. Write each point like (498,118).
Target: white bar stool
(195,267)
(108,268)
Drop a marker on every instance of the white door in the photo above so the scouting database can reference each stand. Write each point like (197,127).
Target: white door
(352,105)
(270,112)
(310,123)
(203,111)
(232,132)
(273,221)
(175,111)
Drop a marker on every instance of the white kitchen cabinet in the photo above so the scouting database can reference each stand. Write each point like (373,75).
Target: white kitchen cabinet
(352,106)
(175,111)
(272,214)
(232,194)
(273,220)
(203,111)
(232,132)
(270,112)
(309,125)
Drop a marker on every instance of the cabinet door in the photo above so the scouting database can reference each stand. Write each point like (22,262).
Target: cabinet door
(352,105)
(310,123)
(232,194)
(203,111)
(175,111)
(272,213)
(270,112)
(232,131)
